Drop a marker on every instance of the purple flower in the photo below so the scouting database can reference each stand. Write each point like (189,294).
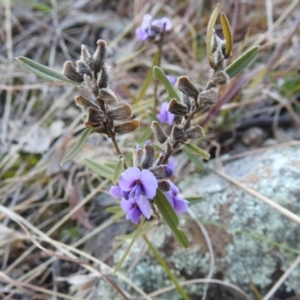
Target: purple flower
(150,29)
(179,204)
(164,115)
(135,189)
(172,163)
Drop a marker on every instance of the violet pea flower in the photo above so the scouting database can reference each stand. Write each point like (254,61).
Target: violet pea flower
(151,29)
(179,204)
(164,115)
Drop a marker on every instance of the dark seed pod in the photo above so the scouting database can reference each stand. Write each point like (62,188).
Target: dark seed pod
(163,185)
(148,158)
(126,126)
(85,103)
(70,71)
(187,87)
(108,96)
(99,57)
(159,132)
(120,112)
(95,117)
(177,108)
(194,132)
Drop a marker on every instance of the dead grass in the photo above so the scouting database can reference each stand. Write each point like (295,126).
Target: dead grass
(45,227)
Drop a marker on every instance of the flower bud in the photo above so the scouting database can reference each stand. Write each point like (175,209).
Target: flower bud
(177,132)
(108,96)
(102,81)
(70,71)
(148,158)
(138,154)
(177,108)
(85,56)
(168,170)
(83,68)
(95,117)
(221,78)
(164,185)
(208,97)
(194,132)
(99,57)
(85,103)
(90,84)
(159,132)
(187,87)
(126,126)
(158,171)
(187,101)
(120,112)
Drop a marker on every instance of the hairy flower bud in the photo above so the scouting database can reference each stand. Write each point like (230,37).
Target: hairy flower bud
(102,81)
(187,101)
(126,126)
(95,117)
(158,171)
(177,132)
(164,185)
(221,78)
(159,132)
(138,154)
(70,71)
(148,158)
(85,56)
(85,103)
(108,96)
(91,85)
(99,56)
(187,87)
(208,96)
(120,112)
(194,132)
(83,68)
(177,108)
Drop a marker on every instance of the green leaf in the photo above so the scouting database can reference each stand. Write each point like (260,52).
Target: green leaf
(227,34)
(170,217)
(100,169)
(210,30)
(160,75)
(111,164)
(114,209)
(194,200)
(42,71)
(84,135)
(167,270)
(118,170)
(192,149)
(240,63)
(135,236)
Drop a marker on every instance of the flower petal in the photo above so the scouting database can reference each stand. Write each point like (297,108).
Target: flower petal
(149,183)
(141,34)
(180,205)
(144,205)
(115,191)
(146,22)
(128,178)
(127,205)
(134,215)
(163,22)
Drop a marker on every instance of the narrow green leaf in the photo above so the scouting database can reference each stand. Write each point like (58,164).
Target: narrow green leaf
(194,200)
(118,170)
(167,270)
(111,164)
(84,135)
(170,217)
(114,209)
(100,169)
(135,236)
(42,71)
(196,150)
(227,34)
(210,30)
(160,75)
(240,63)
